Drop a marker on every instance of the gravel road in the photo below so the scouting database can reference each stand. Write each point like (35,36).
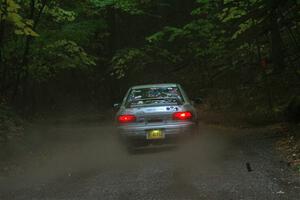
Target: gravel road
(86,161)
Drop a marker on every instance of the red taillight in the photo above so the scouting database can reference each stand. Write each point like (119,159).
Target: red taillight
(126,118)
(182,115)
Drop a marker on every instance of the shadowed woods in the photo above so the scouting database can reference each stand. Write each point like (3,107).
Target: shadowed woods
(238,59)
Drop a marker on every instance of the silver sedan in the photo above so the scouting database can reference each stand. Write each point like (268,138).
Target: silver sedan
(156,113)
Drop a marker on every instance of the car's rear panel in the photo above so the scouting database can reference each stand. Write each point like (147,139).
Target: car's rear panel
(157,117)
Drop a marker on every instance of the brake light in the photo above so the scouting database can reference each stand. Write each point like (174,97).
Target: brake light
(126,118)
(182,115)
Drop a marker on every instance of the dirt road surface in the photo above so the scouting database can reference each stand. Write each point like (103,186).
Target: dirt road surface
(73,160)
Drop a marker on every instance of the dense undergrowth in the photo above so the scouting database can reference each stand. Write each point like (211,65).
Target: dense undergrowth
(11,124)
(258,115)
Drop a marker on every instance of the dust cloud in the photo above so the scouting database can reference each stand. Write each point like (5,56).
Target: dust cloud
(83,150)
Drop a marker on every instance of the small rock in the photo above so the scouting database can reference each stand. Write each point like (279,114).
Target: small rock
(280,192)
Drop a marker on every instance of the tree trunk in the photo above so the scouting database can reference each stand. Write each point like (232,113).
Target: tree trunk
(23,70)
(2,66)
(267,83)
(277,54)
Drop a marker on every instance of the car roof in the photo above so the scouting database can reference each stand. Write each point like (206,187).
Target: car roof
(155,85)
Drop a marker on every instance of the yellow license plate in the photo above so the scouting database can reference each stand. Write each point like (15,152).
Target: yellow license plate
(155,134)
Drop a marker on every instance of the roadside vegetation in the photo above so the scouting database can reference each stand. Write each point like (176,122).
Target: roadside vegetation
(11,125)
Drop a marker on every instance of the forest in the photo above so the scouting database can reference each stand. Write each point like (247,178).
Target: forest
(65,66)
(238,56)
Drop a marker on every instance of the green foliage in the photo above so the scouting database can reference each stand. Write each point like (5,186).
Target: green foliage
(231,13)
(59,45)
(128,6)
(69,51)
(60,15)
(59,56)
(10,12)
(169,33)
(84,31)
(246,14)
(134,58)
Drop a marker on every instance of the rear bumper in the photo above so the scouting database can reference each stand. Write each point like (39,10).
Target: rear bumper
(169,130)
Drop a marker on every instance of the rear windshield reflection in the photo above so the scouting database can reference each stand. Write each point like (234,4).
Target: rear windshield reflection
(154,96)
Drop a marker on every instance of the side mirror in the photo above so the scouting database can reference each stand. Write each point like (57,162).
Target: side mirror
(117,105)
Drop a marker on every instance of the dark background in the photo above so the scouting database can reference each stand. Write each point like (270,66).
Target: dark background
(239,56)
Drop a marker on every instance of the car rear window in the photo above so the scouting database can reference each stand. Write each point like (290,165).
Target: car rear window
(154,96)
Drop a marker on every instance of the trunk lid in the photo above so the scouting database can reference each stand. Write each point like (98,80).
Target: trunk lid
(154,115)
